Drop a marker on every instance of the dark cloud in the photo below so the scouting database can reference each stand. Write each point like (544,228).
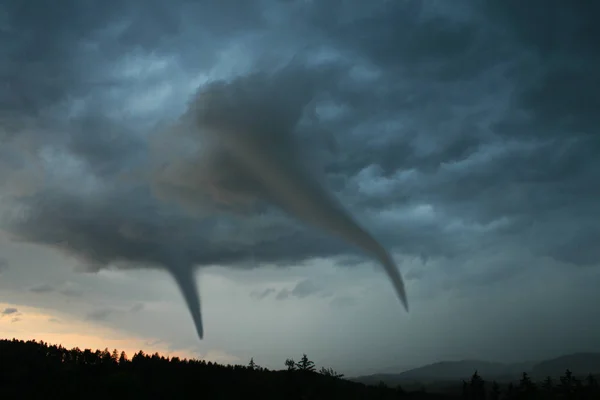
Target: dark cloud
(456,128)
(400,152)
(556,85)
(54,51)
(266,109)
(105,147)
(148,232)
(410,37)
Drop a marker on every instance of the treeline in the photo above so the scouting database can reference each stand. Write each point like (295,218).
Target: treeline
(32,369)
(566,387)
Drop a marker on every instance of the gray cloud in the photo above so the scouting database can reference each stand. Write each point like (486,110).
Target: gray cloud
(259,295)
(67,289)
(71,292)
(42,288)
(9,311)
(3,264)
(343,302)
(282,294)
(302,289)
(457,130)
(305,288)
(248,103)
(100,314)
(58,63)
(137,307)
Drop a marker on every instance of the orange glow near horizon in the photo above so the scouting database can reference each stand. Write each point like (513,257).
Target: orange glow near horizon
(30,323)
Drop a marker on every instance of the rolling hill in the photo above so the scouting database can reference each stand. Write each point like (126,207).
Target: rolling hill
(452,371)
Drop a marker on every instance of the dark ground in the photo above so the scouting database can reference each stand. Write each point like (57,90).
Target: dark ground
(36,370)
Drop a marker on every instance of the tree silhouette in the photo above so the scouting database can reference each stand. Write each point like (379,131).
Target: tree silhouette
(547,388)
(591,387)
(465,390)
(400,390)
(123,358)
(495,391)
(30,369)
(330,372)
(567,384)
(591,382)
(475,389)
(305,364)
(290,364)
(138,358)
(252,365)
(511,391)
(526,388)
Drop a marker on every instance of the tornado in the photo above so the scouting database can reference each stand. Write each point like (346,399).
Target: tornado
(250,151)
(291,187)
(186,281)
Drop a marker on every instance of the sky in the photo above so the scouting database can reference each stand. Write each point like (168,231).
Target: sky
(464,137)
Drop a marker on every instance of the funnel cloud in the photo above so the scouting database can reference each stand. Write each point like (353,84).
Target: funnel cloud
(244,132)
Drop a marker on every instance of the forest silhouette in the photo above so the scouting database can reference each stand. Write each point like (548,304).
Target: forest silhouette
(35,369)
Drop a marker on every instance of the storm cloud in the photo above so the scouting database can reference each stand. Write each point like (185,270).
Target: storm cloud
(451,133)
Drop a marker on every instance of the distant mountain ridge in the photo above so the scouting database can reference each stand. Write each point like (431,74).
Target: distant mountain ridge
(578,363)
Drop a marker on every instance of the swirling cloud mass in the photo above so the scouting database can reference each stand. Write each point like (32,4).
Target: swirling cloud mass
(194,134)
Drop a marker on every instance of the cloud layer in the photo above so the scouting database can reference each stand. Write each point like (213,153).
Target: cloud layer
(452,134)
